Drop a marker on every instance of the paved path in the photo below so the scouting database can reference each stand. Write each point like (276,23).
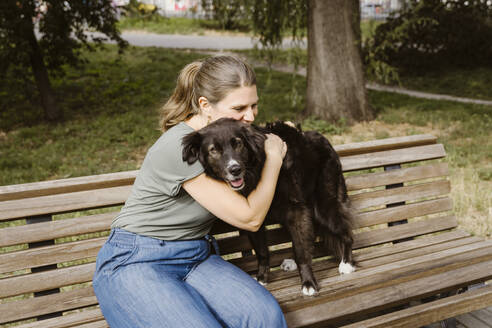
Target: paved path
(220,44)
(192,41)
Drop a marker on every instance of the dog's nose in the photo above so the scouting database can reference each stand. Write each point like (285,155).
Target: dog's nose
(234,169)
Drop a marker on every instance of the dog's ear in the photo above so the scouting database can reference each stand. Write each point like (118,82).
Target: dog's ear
(255,140)
(191,147)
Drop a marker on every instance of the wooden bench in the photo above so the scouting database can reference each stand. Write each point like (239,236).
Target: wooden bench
(406,244)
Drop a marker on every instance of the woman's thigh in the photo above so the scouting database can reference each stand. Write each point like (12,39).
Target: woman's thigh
(141,295)
(236,299)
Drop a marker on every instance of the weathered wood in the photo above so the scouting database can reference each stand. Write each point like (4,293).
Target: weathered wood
(55,229)
(471,321)
(71,202)
(390,157)
(46,280)
(33,307)
(408,211)
(324,270)
(59,253)
(412,229)
(384,144)
(395,294)
(96,324)
(61,186)
(427,313)
(378,179)
(334,287)
(402,194)
(71,320)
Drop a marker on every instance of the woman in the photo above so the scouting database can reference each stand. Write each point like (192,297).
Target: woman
(156,268)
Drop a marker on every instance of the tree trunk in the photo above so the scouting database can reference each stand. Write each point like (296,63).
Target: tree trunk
(335,79)
(48,101)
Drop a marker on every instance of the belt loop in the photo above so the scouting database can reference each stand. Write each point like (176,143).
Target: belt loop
(111,234)
(213,241)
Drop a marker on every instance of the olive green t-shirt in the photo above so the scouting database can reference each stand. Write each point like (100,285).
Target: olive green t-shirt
(158,207)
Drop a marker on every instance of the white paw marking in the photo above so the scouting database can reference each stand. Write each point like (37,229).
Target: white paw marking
(308,291)
(344,268)
(288,265)
(260,282)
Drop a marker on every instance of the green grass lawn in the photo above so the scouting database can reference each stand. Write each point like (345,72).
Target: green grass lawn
(111,120)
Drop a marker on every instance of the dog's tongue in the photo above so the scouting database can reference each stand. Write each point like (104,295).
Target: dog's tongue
(237,183)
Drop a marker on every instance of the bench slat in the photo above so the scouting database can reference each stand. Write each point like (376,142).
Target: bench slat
(47,255)
(55,229)
(402,231)
(61,186)
(397,213)
(46,280)
(435,311)
(407,174)
(401,194)
(101,222)
(33,307)
(391,157)
(395,292)
(88,248)
(11,209)
(70,320)
(43,188)
(371,276)
(83,273)
(325,270)
(384,144)
(453,255)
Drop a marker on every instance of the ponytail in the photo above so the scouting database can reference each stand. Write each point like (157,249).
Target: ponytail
(183,103)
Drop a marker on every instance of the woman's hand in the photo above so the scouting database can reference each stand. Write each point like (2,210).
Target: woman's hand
(275,146)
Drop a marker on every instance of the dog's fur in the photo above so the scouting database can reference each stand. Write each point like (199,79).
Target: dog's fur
(310,199)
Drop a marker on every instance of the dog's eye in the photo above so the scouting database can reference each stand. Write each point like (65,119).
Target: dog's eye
(237,143)
(212,150)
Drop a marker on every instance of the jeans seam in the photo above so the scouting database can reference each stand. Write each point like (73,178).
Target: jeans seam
(194,267)
(133,251)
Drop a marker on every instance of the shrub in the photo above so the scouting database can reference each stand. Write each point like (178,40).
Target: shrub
(427,33)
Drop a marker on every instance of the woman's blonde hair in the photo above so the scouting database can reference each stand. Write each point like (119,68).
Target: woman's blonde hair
(212,78)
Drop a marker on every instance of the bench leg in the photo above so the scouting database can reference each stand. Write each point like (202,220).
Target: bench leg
(34,220)
(392,186)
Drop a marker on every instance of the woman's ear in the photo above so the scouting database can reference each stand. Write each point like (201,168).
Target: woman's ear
(205,105)
(191,147)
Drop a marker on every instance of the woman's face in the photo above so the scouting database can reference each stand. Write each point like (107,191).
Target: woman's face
(240,104)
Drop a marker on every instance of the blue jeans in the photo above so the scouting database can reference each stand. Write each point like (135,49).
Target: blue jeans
(147,282)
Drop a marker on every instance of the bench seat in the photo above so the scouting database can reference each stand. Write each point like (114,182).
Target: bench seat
(413,264)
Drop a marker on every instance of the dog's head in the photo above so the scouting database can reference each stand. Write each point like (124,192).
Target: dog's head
(228,150)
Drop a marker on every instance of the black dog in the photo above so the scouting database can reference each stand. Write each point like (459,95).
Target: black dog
(310,198)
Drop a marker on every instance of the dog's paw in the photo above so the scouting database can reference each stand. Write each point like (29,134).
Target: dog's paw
(308,289)
(345,268)
(260,281)
(288,265)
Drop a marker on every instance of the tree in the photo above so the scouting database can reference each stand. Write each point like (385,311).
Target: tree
(335,80)
(62,26)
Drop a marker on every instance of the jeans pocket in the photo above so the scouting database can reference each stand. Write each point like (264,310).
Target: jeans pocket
(121,256)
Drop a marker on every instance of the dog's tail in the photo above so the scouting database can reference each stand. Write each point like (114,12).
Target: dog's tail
(333,211)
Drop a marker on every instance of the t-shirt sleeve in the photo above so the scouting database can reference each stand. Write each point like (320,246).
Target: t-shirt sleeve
(169,171)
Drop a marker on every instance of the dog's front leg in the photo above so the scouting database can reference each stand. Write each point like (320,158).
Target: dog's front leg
(259,241)
(300,227)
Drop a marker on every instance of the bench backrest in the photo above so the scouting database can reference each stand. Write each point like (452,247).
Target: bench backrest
(50,232)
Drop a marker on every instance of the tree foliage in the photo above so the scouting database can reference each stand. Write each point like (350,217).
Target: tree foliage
(431,32)
(37,37)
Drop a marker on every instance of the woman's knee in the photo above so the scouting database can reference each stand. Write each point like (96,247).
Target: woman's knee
(270,314)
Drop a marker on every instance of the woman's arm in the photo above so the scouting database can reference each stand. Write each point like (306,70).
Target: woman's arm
(230,206)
